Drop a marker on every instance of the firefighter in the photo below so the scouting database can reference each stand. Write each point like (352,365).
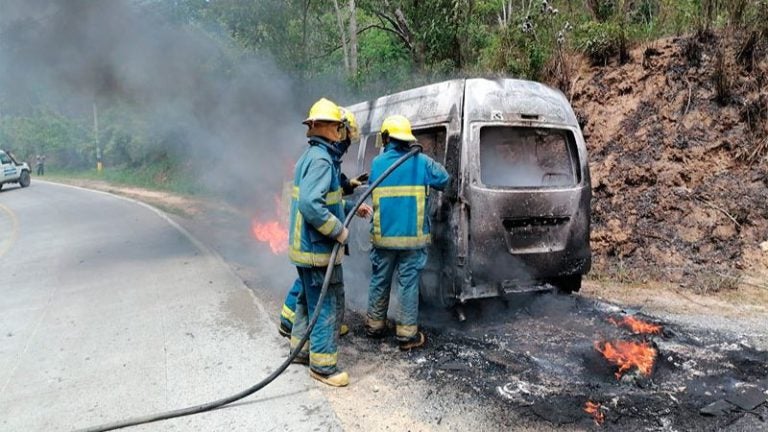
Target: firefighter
(400,231)
(316,224)
(348,186)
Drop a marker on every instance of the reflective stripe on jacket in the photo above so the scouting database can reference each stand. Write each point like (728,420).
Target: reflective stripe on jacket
(317,210)
(400,219)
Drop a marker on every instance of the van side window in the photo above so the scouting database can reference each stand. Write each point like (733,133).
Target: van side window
(4,159)
(431,139)
(527,157)
(371,151)
(433,142)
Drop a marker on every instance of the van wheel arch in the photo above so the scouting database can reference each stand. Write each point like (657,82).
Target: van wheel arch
(434,291)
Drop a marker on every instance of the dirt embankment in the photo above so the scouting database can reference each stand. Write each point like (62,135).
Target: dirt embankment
(677,140)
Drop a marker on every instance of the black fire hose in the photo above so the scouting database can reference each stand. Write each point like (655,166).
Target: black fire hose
(263,383)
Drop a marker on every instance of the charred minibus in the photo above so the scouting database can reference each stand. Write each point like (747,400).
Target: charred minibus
(516,214)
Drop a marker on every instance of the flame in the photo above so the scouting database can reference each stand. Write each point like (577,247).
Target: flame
(627,354)
(595,410)
(637,326)
(273,233)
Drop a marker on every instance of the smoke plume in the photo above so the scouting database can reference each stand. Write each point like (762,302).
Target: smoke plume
(234,117)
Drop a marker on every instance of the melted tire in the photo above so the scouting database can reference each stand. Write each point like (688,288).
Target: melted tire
(433,292)
(568,284)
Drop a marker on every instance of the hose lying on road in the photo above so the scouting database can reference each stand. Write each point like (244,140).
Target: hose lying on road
(263,383)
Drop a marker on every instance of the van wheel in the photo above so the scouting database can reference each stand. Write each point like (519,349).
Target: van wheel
(24,179)
(433,292)
(568,284)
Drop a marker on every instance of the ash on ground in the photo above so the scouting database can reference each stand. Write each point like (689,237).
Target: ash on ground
(533,358)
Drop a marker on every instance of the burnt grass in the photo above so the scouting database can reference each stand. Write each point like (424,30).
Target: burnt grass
(674,197)
(531,360)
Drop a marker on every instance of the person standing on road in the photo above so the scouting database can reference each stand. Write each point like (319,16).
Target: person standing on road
(348,186)
(400,231)
(40,165)
(316,224)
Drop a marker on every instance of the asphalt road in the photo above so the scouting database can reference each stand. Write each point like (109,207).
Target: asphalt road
(109,310)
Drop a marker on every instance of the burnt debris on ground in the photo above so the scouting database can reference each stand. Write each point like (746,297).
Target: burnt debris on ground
(535,357)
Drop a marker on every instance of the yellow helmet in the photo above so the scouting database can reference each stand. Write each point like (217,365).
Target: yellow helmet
(324,110)
(350,121)
(398,127)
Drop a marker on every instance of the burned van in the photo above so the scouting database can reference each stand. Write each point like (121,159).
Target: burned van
(516,214)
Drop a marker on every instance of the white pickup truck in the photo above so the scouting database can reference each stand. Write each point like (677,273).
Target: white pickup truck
(12,171)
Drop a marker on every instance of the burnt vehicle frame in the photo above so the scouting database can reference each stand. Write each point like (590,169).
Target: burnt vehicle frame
(491,239)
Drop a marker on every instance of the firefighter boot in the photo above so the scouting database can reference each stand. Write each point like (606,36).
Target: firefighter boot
(416,341)
(336,379)
(302,359)
(284,330)
(375,329)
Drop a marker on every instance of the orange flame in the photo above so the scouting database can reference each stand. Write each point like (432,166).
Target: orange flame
(595,410)
(626,355)
(637,326)
(273,233)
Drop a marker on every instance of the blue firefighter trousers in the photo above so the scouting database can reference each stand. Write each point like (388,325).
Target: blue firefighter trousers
(323,341)
(409,264)
(289,306)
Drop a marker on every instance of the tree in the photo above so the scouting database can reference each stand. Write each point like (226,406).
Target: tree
(343,35)
(352,38)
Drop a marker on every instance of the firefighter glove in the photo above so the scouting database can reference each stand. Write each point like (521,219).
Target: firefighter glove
(359,180)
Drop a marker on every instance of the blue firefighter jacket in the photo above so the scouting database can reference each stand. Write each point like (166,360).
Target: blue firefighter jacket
(400,220)
(317,210)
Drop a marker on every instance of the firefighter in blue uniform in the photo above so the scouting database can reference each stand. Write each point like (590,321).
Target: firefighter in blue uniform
(316,224)
(348,186)
(400,231)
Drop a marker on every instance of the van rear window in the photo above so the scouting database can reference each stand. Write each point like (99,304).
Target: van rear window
(521,157)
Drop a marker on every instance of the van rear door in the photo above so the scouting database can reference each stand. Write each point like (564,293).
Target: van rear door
(524,195)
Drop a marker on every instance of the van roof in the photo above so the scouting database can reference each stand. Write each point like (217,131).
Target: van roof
(430,104)
(485,99)
(478,98)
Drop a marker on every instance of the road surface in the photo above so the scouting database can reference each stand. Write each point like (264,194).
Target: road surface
(109,310)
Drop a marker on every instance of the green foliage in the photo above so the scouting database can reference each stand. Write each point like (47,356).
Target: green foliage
(501,53)
(600,41)
(383,64)
(645,12)
(45,132)
(679,15)
(537,56)
(755,19)
(527,43)
(162,175)
(603,10)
